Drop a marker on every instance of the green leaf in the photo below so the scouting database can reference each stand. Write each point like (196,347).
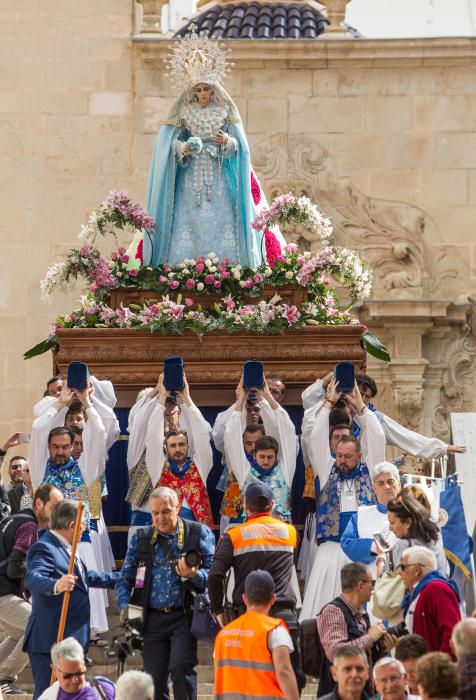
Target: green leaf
(375,348)
(42,347)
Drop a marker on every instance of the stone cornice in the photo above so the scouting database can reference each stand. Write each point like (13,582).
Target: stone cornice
(328,52)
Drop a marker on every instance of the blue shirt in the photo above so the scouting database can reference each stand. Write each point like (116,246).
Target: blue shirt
(166,589)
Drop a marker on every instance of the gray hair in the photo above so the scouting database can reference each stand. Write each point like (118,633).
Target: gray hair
(349,651)
(385,662)
(165,492)
(62,514)
(386,468)
(463,638)
(135,684)
(69,649)
(421,555)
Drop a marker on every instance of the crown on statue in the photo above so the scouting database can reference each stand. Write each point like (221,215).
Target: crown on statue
(197,59)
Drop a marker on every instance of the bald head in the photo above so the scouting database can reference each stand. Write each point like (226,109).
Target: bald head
(463,639)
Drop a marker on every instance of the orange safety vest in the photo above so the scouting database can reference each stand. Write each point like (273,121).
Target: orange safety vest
(243,663)
(262,533)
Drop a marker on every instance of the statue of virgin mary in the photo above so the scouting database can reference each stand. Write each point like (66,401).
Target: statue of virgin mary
(199,190)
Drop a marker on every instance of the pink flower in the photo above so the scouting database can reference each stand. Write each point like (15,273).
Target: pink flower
(124,314)
(114,256)
(199,267)
(217,284)
(258,278)
(209,279)
(162,279)
(226,275)
(153,309)
(248,284)
(301,260)
(124,258)
(188,302)
(173,284)
(94,287)
(121,250)
(176,310)
(291,314)
(229,303)
(247,309)
(133,273)
(255,189)
(73,317)
(201,259)
(224,261)
(58,326)
(190,283)
(290,248)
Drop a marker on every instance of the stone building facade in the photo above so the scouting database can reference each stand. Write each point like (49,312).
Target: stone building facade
(382,134)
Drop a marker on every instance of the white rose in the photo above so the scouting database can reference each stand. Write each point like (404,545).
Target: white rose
(170,275)
(200,286)
(212,255)
(237,274)
(213,268)
(208,262)
(289,275)
(242,283)
(186,272)
(268,272)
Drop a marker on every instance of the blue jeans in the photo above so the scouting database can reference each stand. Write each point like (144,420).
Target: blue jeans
(170,649)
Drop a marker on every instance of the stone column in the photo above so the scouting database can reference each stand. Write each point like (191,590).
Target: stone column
(151,16)
(335,10)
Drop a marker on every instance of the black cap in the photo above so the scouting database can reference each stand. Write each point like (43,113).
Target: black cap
(259,495)
(259,582)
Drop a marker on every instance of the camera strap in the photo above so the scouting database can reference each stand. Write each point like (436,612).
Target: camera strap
(161,540)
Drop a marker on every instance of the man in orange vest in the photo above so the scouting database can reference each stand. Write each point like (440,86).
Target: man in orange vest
(262,542)
(252,653)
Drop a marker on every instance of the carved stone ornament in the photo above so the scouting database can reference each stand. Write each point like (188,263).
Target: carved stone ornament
(151,16)
(133,359)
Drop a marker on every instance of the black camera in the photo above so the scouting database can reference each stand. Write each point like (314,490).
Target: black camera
(129,643)
(399,630)
(192,558)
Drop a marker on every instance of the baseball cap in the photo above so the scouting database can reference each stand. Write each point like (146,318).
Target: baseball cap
(259,581)
(259,495)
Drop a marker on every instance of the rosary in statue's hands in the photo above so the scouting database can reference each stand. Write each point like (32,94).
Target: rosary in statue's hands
(221,138)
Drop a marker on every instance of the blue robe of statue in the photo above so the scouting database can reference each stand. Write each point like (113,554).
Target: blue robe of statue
(201,202)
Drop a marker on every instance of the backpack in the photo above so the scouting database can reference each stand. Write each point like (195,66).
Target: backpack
(312,653)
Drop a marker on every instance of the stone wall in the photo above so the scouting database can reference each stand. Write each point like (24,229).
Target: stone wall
(380,133)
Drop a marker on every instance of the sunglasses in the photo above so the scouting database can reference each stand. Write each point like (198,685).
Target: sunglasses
(70,676)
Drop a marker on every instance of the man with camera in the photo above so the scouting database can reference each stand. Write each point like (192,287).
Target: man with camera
(164,566)
(343,622)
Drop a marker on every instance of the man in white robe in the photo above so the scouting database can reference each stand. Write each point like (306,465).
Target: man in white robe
(343,482)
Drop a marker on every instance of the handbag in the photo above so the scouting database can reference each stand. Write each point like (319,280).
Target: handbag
(388,594)
(205,626)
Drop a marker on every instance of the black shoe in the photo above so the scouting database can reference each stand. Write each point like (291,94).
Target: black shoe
(10,688)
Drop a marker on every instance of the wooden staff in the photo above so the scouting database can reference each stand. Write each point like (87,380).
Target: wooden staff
(76,537)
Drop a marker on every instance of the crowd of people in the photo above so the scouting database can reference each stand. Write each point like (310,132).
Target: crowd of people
(389,617)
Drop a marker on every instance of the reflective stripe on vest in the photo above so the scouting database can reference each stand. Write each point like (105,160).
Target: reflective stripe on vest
(244,666)
(262,534)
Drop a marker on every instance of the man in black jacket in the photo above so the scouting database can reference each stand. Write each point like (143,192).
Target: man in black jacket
(350,671)
(17,534)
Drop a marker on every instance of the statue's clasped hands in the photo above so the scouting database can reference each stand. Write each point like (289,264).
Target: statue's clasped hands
(221,138)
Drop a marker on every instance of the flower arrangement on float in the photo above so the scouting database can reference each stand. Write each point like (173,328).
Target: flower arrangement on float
(234,285)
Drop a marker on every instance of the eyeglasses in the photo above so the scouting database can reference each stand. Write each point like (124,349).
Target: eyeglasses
(70,676)
(405,566)
(16,467)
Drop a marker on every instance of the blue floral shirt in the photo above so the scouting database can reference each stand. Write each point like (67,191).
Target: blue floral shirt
(166,590)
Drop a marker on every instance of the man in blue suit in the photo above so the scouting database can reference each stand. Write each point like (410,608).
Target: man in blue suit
(47,578)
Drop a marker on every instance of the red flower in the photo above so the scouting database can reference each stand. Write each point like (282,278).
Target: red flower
(273,248)
(255,189)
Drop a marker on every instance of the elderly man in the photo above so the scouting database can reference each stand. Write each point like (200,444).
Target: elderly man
(47,578)
(69,669)
(358,540)
(463,641)
(343,623)
(164,585)
(350,671)
(345,483)
(135,684)
(390,680)
(432,608)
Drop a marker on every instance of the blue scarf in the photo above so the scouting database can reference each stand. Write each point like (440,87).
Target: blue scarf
(52,466)
(429,578)
(264,472)
(180,471)
(251,459)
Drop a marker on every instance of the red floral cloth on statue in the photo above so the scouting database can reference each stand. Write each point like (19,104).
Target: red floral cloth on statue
(192,488)
(139,254)
(272,245)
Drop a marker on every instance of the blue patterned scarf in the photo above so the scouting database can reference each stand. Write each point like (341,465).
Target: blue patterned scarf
(180,471)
